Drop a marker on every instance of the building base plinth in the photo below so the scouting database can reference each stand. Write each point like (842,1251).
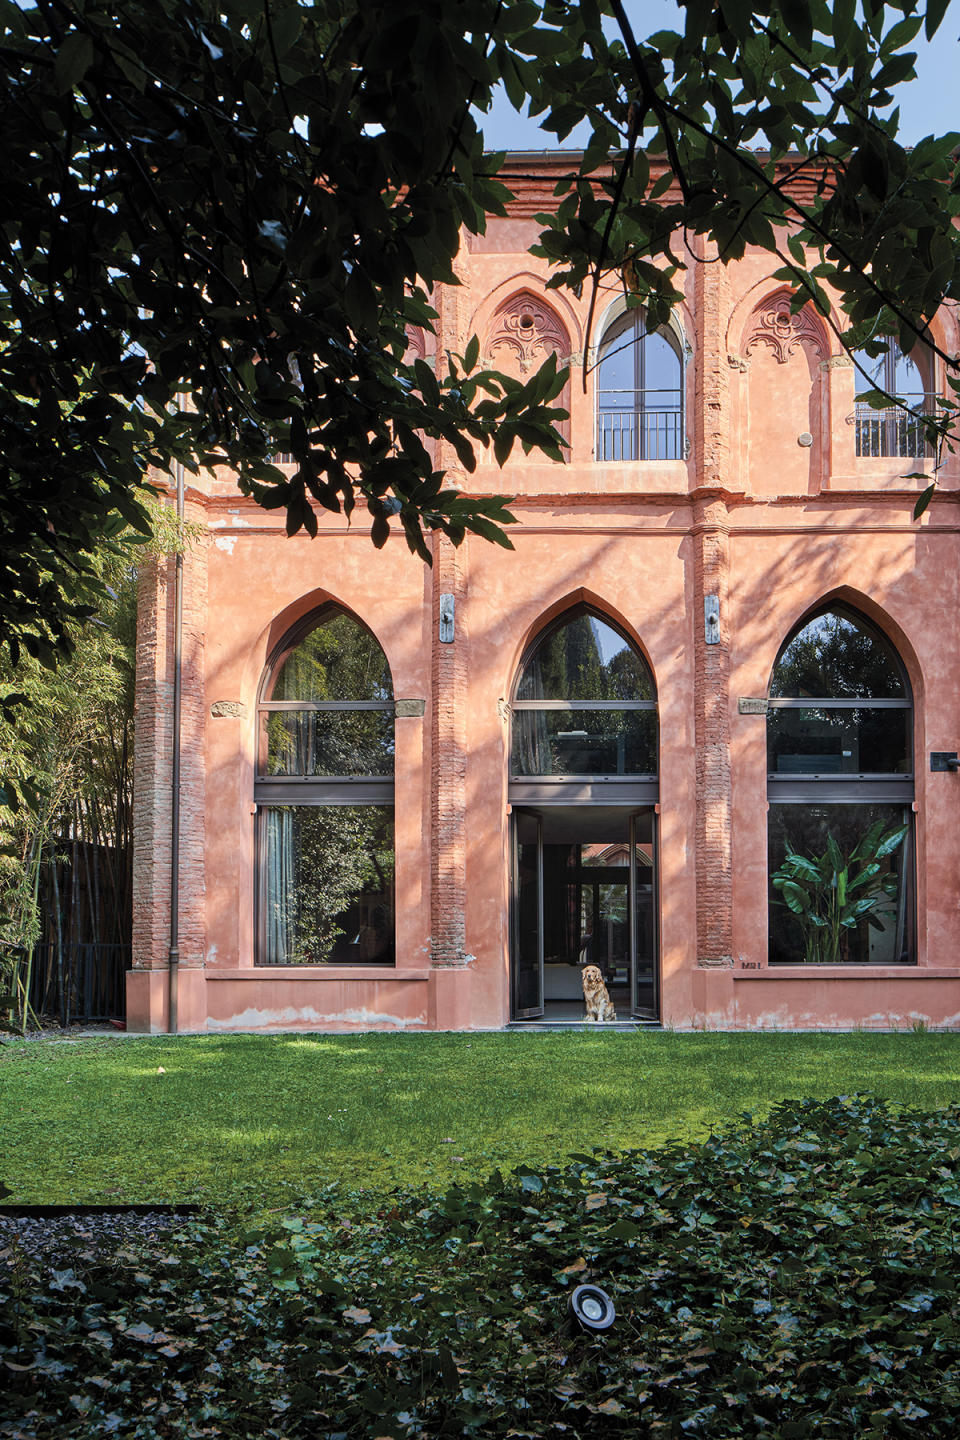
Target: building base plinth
(450,995)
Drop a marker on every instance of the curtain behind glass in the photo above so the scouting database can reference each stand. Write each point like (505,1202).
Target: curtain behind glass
(279,886)
(329,885)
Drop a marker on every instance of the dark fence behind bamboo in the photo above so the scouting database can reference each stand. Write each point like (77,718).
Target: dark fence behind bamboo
(83,949)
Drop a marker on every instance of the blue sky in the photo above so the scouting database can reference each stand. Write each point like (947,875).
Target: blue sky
(928,105)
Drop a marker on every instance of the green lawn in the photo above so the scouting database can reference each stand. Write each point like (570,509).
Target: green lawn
(269,1119)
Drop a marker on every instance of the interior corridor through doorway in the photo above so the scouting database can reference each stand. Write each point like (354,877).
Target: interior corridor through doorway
(584,888)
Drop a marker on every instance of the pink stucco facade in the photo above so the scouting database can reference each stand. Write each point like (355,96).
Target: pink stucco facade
(768,509)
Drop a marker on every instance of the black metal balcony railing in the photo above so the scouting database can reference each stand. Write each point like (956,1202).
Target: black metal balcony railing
(653,433)
(894,432)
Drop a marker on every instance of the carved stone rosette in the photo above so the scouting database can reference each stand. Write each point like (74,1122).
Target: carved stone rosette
(525,331)
(773,324)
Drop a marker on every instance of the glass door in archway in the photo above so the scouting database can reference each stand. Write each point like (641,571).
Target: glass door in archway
(584,893)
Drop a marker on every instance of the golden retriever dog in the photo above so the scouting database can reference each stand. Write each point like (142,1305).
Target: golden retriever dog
(596,996)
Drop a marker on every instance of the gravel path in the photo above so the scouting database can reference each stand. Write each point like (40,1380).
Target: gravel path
(60,1242)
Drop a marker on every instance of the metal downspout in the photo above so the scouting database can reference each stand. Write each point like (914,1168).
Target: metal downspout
(173,954)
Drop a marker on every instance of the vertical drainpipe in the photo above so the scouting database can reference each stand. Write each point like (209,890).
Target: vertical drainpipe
(173,954)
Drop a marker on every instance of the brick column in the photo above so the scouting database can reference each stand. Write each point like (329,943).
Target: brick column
(152,800)
(193,724)
(712,722)
(449,763)
(711,539)
(153,698)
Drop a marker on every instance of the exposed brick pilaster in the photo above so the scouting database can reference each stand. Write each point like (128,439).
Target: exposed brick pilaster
(152,834)
(712,661)
(151,768)
(449,750)
(712,435)
(711,687)
(193,800)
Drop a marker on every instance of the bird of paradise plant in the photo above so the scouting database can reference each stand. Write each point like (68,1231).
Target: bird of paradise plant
(833,893)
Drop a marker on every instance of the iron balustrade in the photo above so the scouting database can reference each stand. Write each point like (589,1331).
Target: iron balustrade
(652,432)
(895,432)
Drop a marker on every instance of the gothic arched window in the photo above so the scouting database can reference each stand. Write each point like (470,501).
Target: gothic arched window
(584,704)
(893,430)
(583,792)
(639,392)
(324,796)
(840,791)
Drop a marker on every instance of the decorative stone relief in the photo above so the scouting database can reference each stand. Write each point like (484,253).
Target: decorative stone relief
(227,709)
(773,324)
(837,362)
(416,343)
(525,331)
(737,362)
(503,710)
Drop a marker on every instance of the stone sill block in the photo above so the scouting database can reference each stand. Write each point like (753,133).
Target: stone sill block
(849,972)
(320,972)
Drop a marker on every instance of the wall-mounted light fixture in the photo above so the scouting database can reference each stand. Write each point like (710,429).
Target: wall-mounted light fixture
(446,619)
(711,619)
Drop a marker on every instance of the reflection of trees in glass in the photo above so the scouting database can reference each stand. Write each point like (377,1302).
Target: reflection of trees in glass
(825,740)
(569,664)
(339,884)
(613,904)
(324,742)
(338,660)
(584,742)
(835,656)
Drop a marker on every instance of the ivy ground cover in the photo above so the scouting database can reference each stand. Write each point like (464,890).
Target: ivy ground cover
(793,1277)
(265,1121)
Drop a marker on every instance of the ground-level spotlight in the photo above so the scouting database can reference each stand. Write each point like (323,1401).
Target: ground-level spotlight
(592,1308)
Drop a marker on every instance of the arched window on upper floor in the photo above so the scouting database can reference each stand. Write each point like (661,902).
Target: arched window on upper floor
(893,431)
(324,797)
(840,791)
(639,391)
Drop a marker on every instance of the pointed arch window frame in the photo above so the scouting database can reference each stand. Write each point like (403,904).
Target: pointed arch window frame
(640,789)
(895,786)
(283,794)
(359,789)
(850,790)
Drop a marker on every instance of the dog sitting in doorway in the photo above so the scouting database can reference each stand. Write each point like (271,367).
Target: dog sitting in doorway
(596,996)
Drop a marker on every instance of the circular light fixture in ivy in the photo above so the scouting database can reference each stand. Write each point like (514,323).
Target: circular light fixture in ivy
(592,1308)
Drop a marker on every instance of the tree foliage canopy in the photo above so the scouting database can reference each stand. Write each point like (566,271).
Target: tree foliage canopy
(220,220)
